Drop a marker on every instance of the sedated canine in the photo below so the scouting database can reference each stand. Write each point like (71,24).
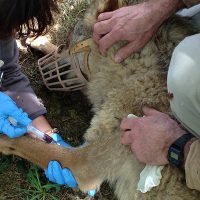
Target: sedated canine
(116,90)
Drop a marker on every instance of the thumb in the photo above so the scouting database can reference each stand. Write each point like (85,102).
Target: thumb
(125,52)
(149,111)
(12,131)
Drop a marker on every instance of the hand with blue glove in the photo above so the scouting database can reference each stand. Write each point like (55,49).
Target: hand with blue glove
(57,174)
(8,108)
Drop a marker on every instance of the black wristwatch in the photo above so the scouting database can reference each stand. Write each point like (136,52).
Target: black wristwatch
(176,150)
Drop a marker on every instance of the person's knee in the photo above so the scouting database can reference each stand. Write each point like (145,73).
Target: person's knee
(189,45)
(184,67)
(183,82)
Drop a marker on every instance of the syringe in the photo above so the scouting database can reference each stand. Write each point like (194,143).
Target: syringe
(31,129)
(40,134)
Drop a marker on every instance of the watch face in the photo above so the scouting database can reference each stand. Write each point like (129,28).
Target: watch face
(174,155)
(176,150)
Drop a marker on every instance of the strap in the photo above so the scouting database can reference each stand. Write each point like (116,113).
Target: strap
(81,46)
(84,46)
(181,141)
(176,150)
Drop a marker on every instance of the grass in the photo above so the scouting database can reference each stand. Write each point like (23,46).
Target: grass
(70,12)
(37,189)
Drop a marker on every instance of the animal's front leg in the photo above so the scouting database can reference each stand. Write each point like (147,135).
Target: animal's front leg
(79,161)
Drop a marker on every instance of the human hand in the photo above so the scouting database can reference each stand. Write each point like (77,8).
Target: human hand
(151,136)
(57,174)
(8,108)
(135,24)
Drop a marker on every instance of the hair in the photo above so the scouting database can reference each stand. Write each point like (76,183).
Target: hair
(26,17)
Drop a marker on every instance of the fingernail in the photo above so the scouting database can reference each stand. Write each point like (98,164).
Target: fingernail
(118,59)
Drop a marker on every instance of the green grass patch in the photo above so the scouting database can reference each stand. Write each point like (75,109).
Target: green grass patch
(70,12)
(37,189)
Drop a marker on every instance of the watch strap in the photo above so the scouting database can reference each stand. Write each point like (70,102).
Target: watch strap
(176,150)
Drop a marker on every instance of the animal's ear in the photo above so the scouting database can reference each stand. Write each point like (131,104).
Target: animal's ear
(111,5)
(99,6)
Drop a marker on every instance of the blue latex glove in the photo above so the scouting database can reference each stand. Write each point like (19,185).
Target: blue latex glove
(8,108)
(56,174)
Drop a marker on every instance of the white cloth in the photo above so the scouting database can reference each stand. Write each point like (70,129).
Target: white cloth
(149,177)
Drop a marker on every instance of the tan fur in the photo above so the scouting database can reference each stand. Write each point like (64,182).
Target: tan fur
(116,90)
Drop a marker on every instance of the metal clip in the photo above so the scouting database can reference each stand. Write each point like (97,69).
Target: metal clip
(1,72)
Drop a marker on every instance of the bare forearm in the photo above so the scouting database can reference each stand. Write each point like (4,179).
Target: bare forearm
(42,124)
(164,8)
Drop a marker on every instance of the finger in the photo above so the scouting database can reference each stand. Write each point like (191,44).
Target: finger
(104,16)
(132,47)
(69,178)
(15,112)
(150,111)
(58,170)
(49,172)
(126,138)
(102,28)
(125,52)
(108,40)
(12,131)
(46,173)
(96,37)
(20,116)
(56,137)
(60,141)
